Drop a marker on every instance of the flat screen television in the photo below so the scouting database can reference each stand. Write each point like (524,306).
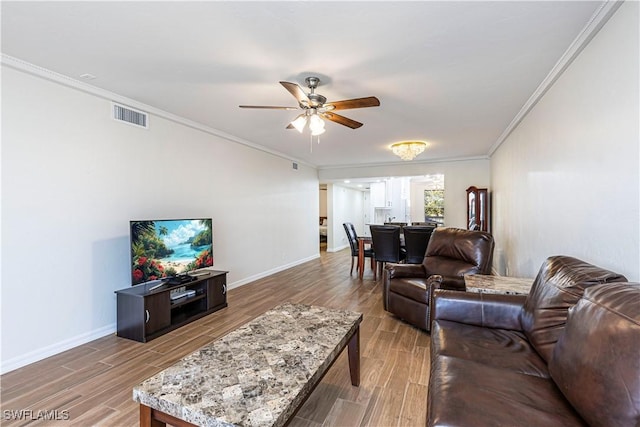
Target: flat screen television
(167,248)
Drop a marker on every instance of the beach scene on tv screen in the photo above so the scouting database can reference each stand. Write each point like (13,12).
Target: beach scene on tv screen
(169,247)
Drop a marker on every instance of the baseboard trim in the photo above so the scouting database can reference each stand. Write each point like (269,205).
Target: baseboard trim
(270,272)
(53,349)
(337,249)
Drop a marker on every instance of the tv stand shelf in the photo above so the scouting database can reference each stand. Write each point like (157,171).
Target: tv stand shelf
(188,300)
(145,314)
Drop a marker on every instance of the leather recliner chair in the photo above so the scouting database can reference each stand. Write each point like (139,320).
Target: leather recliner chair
(451,253)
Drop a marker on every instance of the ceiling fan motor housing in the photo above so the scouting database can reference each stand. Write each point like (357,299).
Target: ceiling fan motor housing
(316,100)
(312,82)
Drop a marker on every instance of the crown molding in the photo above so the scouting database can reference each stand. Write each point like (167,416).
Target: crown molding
(47,74)
(597,21)
(404,163)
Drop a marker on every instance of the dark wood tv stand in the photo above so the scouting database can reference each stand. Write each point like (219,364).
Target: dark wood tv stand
(145,314)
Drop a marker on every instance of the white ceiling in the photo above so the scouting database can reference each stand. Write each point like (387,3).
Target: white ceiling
(454,74)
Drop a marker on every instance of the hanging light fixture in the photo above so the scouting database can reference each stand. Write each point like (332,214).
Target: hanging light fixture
(408,150)
(300,122)
(316,125)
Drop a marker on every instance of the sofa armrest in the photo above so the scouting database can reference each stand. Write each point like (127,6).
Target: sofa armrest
(404,270)
(485,310)
(452,283)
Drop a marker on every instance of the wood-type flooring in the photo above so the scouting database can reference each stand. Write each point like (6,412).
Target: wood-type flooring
(92,384)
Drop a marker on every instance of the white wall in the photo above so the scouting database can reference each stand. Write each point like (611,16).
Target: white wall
(343,205)
(566,180)
(459,175)
(72,178)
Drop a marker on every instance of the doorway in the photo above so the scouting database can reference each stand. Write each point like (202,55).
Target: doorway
(365,201)
(323,221)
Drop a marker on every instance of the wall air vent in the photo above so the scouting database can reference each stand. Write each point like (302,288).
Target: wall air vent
(130,116)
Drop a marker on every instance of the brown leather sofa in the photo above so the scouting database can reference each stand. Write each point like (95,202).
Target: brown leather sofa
(568,354)
(451,253)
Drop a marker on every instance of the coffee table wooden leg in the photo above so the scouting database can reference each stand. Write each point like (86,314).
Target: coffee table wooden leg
(354,357)
(147,419)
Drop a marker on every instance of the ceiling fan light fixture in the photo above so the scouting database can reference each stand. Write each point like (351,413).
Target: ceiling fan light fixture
(299,123)
(317,132)
(408,150)
(316,125)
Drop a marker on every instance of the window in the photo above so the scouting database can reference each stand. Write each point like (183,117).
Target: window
(434,206)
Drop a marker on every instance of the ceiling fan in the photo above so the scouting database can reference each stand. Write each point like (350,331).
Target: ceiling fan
(315,107)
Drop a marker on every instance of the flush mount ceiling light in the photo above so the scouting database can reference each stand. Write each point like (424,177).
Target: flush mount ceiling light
(408,150)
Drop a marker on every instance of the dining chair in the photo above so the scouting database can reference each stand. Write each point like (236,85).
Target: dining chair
(416,239)
(386,244)
(353,243)
(399,224)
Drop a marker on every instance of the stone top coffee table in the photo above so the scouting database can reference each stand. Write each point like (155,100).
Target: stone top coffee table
(257,375)
(488,284)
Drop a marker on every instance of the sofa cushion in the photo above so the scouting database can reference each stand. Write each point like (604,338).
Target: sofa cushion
(499,348)
(596,362)
(465,393)
(559,285)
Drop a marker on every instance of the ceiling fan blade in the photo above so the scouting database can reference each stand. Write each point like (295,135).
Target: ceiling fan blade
(297,92)
(370,101)
(342,120)
(268,107)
